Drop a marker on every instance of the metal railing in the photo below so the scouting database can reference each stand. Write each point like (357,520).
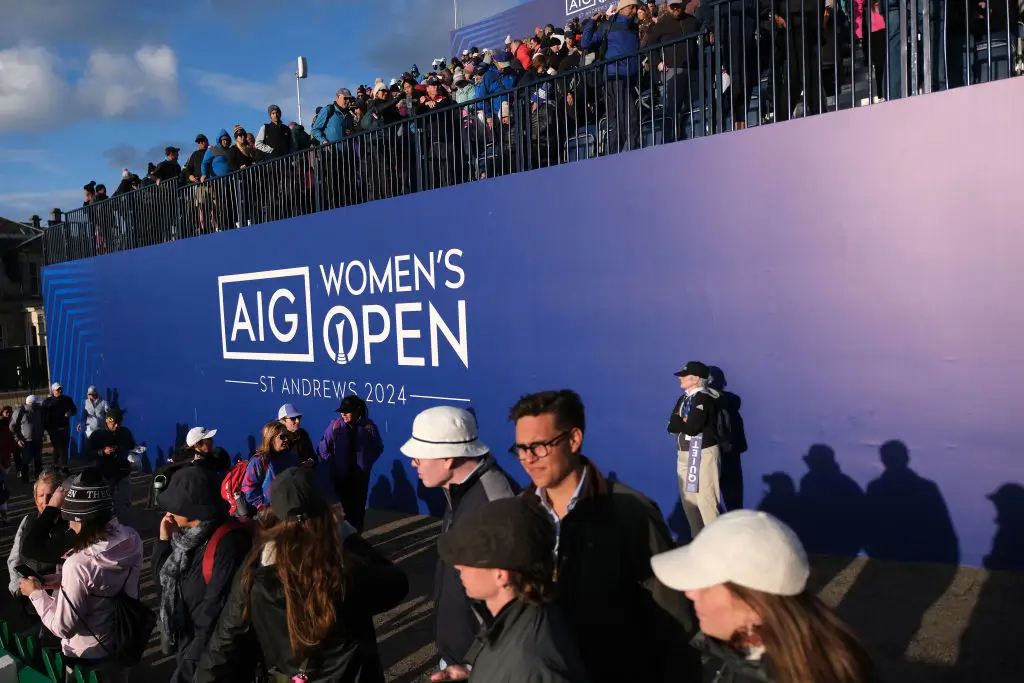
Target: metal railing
(741,63)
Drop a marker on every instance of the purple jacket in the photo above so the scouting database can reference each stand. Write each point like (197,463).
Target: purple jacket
(334,447)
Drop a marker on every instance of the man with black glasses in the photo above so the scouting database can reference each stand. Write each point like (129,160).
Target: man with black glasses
(625,620)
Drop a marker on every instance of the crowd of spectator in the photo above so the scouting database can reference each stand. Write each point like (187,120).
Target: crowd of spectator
(492,111)
(264,574)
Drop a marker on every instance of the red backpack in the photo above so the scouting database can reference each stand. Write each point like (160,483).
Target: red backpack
(210,554)
(231,489)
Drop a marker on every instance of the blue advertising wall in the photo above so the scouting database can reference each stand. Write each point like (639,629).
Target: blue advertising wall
(520,21)
(856,276)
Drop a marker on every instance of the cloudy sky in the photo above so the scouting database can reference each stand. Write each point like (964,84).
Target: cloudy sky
(89,88)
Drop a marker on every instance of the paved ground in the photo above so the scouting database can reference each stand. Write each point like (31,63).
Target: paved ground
(922,623)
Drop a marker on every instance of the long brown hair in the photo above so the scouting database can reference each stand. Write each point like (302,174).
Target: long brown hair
(271,430)
(308,559)
(804,641)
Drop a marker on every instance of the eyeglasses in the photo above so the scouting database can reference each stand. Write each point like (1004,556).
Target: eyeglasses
(540,449)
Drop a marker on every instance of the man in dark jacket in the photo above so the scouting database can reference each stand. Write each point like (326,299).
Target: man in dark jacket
(679,62)
(615,37)
(194,530)
(605,535)
(193,169)
(109,448)
(274,139)
(58,409)
(503,553)
(447,452)
(169,168)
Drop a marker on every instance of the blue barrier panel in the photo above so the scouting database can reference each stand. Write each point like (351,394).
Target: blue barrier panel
(855,282)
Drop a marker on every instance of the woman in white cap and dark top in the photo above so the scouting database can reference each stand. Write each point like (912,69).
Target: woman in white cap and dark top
(693,421)
(291,418)
(350,446)
(502,551)
(105,559)
(195,561)
(306,597)
(447,453)
(746,574)
(199,450)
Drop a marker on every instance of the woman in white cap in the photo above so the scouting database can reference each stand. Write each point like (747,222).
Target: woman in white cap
(291,418)
(746,574)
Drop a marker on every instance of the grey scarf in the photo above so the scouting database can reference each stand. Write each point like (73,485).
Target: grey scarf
(172,609)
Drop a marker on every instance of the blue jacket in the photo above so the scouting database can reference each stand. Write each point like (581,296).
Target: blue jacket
(331,123)
(215,161)
(623,40)
(495,82)
(334,447)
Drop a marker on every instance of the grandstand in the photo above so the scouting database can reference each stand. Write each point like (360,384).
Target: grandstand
(548,100)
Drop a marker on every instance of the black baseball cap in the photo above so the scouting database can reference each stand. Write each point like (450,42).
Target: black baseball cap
(201,138)
(695,368)
(171,150)
(508,533)
(294,495)
(193,493)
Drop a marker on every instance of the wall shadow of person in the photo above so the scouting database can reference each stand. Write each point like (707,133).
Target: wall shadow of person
(404,495)
(914,556)
(678,524)
(381,496)
(832,506)
(432,497)
(730,477)
(995,627)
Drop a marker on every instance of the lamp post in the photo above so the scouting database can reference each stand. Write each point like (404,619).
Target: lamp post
(300,73)
(456,4)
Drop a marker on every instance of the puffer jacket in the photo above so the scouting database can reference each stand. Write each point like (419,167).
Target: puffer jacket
(725,665)
(623,39)
(215,161)
(81,610)
(349,653)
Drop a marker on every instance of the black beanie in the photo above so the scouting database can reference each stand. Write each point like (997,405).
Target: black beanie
(87,498)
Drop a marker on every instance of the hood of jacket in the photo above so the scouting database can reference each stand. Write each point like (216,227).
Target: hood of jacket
(119,550)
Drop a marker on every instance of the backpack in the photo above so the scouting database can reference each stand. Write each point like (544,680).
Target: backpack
(133,624)
(231,490)
(210,553)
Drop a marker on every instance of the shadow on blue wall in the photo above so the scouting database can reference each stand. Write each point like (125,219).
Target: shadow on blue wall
(396,493)
(993,627)
(731,472)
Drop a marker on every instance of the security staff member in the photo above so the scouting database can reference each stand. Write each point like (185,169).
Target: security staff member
(693,422)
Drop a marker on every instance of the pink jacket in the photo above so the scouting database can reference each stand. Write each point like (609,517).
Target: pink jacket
(88,579)
(877,20)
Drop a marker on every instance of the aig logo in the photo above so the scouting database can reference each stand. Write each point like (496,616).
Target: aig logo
(576,6)
(267,315)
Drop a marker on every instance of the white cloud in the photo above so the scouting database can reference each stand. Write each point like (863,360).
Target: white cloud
(317,89)
(19,206)
(38,90)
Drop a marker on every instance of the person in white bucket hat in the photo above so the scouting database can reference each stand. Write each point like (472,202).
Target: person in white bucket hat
(746,574)
(447,452)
